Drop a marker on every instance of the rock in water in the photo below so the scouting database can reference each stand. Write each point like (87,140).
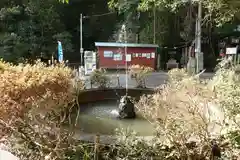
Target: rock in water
(126,108)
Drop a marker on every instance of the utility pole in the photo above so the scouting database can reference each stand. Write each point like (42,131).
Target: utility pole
(81,40)
(154,24)
(198,35)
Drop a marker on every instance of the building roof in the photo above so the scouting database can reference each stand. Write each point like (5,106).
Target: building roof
(115,44)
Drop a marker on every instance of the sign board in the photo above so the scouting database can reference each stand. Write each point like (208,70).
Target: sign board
(128,58)
(117,57)
(90,62)
(232,50)
(60,52)
(143,55)
(148,55)
(153,55)
(108,54)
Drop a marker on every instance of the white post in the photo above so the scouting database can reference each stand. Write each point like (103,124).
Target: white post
(81,40)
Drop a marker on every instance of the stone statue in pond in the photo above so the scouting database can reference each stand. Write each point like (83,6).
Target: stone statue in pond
(126,108)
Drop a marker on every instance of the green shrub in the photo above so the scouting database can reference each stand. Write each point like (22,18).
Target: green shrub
(99,78)
(139,73)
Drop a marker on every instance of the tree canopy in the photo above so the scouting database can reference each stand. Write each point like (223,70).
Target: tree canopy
(30,29)
(64,1)
(220,11)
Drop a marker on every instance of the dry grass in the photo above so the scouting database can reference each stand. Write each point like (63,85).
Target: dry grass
(26,86)
(187,109)
(35,100)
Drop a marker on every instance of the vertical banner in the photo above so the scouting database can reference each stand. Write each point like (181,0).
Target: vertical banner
(60,52)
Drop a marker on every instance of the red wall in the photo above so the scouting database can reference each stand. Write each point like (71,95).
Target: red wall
(112,64)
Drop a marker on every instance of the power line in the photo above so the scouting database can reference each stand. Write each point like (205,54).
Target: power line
(184,45)
(81,21)
(180,46)
(99,15)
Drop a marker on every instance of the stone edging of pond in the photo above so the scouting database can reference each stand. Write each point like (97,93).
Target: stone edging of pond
(93,95)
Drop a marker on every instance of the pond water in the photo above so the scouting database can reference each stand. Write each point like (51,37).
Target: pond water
(100,118)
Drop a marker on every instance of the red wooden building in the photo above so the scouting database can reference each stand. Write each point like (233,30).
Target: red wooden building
(112,55)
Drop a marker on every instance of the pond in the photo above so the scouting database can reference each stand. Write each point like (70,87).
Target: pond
(101,118)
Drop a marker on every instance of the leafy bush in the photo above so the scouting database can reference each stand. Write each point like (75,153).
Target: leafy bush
(139,73)
(99,78)
(35,100)
(26,87)
(178,111)
(190,112)
(226,84)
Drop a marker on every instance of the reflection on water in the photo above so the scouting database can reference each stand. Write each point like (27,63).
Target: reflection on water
(101,118)
(115,112)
